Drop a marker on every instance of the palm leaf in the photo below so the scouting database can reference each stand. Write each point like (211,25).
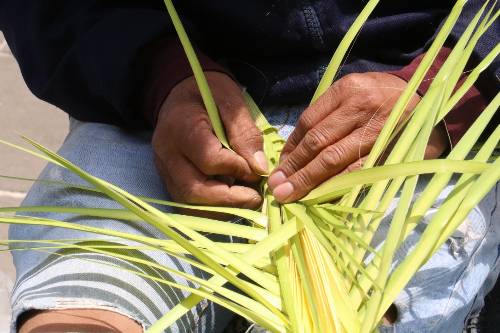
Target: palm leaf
(308,266)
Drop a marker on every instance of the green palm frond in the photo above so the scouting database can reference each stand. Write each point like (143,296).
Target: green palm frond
(308,266)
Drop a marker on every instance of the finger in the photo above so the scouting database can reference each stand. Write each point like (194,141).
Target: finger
(432,151)
(315,113)
(330,130)
(243,135)
(187,184)
(439,142)
(328,163)
(205,151)
(355,166)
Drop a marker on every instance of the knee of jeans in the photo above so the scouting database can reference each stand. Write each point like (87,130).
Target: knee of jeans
(472,232)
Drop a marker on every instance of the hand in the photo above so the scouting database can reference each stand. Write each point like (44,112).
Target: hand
(189,156)
(337,132)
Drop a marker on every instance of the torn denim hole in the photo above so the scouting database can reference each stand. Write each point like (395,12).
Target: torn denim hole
(465,233)
(462,235)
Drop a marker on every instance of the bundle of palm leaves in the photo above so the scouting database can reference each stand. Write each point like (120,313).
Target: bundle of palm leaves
(310,266)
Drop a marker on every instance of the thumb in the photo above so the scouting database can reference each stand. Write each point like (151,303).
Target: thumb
(246,140)
(243,135)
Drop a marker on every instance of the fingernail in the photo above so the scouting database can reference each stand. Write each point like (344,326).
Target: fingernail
(261,160)
(283,157)
(282,192)
(276,179)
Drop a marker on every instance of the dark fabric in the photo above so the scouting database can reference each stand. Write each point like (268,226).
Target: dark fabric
(489,315)
(87,57)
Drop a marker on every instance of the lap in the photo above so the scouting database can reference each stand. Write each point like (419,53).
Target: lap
(53,282)
(453,283)
(440,296)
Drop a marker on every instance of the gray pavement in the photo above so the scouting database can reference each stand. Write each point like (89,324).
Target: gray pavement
(21,113)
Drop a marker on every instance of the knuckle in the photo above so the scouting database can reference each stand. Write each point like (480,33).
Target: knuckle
(370,100)
(253,203)
(209,167)
(350,81)
(352,168)
(335,90)
(190,130)
(218,79)
(208,163)
(245,138)
(315,139)
(291,165)
(305,121)
(355,166)
(199,122)
(304,180)
(363,93)
(187,193)
(332,156)
(226,199)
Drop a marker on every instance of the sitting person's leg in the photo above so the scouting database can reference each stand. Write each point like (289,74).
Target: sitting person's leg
(452,284)
(77,320)
(438,299)
(86,280)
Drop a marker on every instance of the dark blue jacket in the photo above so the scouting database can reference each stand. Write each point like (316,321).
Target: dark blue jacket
(87,57)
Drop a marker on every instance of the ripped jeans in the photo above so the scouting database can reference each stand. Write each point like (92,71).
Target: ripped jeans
(451,286)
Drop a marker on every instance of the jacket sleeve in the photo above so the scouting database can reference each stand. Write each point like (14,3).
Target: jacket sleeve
(85,56)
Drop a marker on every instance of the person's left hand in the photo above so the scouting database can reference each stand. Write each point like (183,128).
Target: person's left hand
(336,133)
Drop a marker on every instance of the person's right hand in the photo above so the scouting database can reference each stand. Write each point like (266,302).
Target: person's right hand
(189,156)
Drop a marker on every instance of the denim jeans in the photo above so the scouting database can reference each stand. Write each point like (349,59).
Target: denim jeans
(438,299)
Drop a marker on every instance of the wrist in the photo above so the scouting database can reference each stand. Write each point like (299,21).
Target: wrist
(168,66)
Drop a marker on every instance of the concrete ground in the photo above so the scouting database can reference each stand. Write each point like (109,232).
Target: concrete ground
(20,113)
